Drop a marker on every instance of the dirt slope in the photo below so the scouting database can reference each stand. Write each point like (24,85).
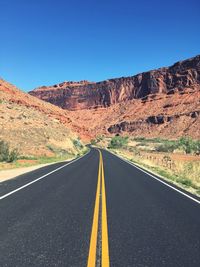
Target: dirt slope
(33,126)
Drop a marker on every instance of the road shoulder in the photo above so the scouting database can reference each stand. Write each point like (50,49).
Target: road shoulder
(12,173)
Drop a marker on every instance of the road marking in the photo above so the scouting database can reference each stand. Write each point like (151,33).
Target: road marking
(154,177)
(93,238)
(39,178)
(105,261)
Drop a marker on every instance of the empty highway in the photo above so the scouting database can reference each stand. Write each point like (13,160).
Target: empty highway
(97,211)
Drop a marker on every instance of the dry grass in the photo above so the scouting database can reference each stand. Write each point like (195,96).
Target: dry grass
(177,167)
(33,133)
(183,170)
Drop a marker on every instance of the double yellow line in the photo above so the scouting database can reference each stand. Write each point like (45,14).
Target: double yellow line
(100,200)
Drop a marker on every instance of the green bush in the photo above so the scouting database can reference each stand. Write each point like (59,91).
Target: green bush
(118,142)
(13,155)
(197,147)
(187,144)
(4,151)
(185,182)
(166,147)
(6,154)
(77,143)
(93,142)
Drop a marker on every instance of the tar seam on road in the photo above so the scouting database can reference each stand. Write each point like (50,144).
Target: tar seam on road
(154,177)
(100,200)
(41,177)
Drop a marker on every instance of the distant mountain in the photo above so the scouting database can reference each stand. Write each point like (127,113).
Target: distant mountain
(33,126)
(163,102)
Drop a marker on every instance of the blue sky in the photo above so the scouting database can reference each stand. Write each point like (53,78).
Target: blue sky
(44,42)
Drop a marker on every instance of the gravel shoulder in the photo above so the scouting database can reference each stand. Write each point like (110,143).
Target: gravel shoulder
(12,173)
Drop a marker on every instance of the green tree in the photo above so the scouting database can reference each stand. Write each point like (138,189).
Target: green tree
(118,142)
(197,147)
(6,154)
(187,144)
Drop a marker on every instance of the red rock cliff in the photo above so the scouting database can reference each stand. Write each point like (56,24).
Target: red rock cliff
(87,95)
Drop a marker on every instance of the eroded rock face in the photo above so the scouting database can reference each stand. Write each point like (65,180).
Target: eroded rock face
(159,103)
(87,95)
(151,121)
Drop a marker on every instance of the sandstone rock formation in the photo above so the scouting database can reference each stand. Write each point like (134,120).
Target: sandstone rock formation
(86,95)
(159,103)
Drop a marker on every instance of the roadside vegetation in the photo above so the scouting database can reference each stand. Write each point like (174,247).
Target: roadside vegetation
(6,153)
(97,140)
(118,142)
(185,144)
(11,158)
(177,161)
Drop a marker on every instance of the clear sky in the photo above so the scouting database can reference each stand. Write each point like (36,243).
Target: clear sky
(43,42)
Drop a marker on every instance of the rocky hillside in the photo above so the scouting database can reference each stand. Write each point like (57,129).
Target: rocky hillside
(159,103)
(33,126)
(86,95)
(167,116)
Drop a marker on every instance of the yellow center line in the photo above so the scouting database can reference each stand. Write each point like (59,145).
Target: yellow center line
(105,262)
(93,238)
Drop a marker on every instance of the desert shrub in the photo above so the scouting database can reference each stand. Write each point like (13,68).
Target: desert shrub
(93,142)
(197,147)
(6,154)
(185,182)
(187,144)
(51,148)
(166,147)
(4,151)
(13,155)
(139,139)
(118,142)
(77,143)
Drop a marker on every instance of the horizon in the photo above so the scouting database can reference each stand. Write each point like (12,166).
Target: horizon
(46,43)
(109,78)
(89,81)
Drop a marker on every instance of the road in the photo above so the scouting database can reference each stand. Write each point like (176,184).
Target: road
(96,211)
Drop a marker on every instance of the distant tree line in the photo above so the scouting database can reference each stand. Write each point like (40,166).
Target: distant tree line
(186,144)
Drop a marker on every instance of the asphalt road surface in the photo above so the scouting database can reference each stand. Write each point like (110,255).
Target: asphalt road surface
(96,211)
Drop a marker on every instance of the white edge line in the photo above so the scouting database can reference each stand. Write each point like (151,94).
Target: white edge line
(130,163)
(41,177)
